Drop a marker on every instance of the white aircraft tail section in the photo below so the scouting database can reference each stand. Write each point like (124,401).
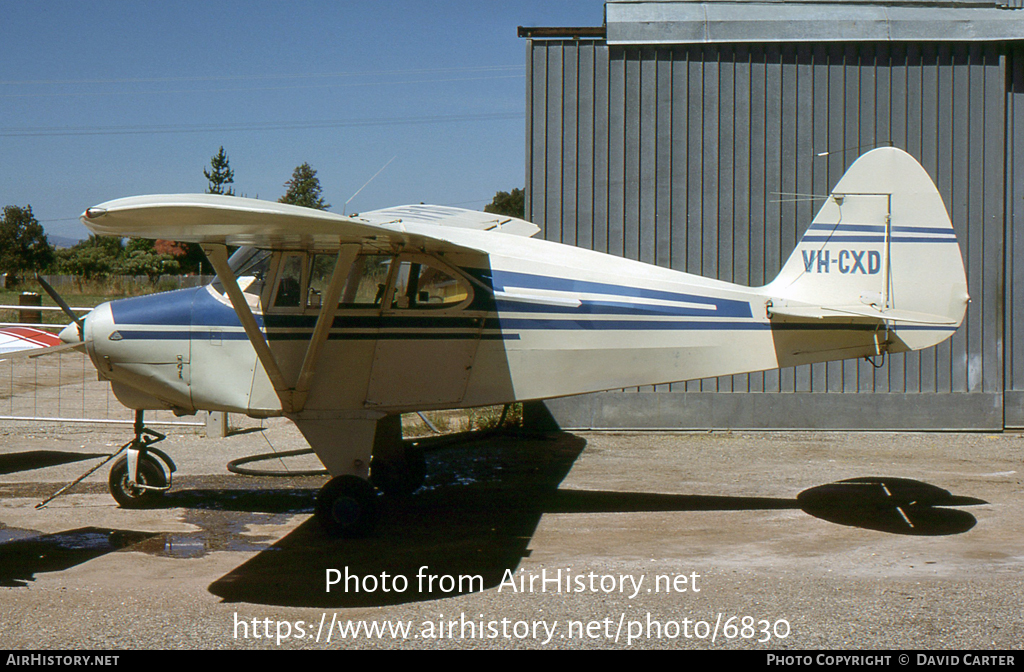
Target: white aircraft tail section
(881,251)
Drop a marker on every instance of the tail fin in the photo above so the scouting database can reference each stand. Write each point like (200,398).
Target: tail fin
(880,256)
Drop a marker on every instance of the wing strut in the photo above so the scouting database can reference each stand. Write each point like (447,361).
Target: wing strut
(293,398)
(218,256)
(328,308)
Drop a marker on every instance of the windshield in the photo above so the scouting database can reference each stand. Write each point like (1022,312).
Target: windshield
(250,267)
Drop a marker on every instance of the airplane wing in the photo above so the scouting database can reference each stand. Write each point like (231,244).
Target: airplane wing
(28,341)
(231,220)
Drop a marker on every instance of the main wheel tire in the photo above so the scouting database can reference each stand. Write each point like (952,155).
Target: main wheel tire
(347,507)
(130,497)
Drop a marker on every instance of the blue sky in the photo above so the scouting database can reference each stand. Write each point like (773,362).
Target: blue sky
(105,99)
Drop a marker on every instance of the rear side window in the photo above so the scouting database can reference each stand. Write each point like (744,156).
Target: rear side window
(425,287)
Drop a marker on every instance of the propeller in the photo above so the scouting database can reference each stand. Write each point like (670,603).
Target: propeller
(63,306)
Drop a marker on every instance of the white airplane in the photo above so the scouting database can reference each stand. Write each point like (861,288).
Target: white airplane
(342,323)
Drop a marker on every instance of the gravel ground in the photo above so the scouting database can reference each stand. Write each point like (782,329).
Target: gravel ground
(645,540)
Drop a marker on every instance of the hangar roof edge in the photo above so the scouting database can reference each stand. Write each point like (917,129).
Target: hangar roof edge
(660,22)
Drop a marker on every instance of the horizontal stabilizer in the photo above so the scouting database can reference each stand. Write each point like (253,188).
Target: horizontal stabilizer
(869,312)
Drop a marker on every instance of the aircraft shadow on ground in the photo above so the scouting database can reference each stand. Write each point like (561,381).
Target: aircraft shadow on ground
(22,559)
(12,463)
(481,506)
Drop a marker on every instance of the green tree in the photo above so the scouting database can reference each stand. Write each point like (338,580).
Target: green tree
(23,244)
(509,204)
(304,189)
(95,257)
(220,174)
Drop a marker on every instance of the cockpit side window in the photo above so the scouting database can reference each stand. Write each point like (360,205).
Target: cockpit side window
(424,286)
(289,282)
(320,270)
(367,281)
(373,281)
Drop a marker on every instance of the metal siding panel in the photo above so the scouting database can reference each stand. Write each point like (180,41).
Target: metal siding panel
(993,147)
(820,128)
(1014,379)
(538,115)
(726,171)
(585,140)
(864,371)
(882,377)
(779,230)
(663,214)
(695,183)
(897,365)
(529,168)
(726,168)
(835,161)
(1010,354)
(761,233)
(647,156)
(661,221)
(939,158)
(959,211)
(852,72)
(680,165)
(709,169)
(632,191)
(741,178)
(602,142)
(616,151)
(569,187)
(553,154)
(680,157)
(709,221)
(740,129)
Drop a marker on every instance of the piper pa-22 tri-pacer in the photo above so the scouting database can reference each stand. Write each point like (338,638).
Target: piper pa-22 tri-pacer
(342,323)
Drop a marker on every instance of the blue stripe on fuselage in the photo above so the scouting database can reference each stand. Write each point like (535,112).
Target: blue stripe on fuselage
(164,309)
(193,307)
(717,306)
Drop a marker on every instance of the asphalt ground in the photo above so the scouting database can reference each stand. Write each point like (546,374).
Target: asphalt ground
(764,541)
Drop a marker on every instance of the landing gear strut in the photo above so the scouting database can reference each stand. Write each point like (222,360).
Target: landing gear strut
(143,474)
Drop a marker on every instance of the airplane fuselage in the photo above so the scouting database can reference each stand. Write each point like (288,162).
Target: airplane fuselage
(536,320)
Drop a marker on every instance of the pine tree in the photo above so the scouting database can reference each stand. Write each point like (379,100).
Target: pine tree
(304,189)
(220,175)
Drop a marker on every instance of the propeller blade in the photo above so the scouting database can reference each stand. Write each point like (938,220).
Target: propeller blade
(60,302)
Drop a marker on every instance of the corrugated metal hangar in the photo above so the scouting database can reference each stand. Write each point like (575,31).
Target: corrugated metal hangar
(692,134)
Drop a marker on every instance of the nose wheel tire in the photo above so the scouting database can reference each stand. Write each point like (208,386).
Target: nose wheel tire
(347,507)
(131,496)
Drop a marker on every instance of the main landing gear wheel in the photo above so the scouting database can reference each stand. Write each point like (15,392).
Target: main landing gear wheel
(129,496)
(347,507)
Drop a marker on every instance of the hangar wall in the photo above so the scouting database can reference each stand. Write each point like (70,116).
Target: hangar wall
(690,156)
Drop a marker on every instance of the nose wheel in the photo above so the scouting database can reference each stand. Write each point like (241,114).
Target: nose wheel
(143,474)
(149,483)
